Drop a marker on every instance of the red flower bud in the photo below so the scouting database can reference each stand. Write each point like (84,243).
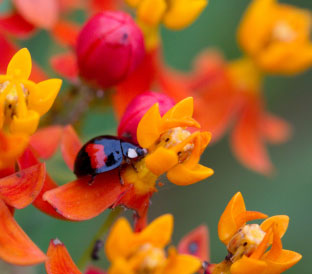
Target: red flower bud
(137,108)
(109,47)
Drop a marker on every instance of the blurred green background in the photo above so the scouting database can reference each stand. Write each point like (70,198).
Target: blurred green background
(287,192)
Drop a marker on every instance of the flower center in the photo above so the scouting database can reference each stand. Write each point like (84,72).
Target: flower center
(147,259)
(283,32)
(245,241)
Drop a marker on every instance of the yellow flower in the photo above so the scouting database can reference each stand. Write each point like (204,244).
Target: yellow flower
(171,147)
(143,252)
(22,102)
(174,14)
(277,36)
(247,243)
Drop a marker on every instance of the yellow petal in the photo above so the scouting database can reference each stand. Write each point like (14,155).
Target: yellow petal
(248,266)
(228,225)
(120,266)
(119,241)
(157,233)
(285,261)
(282,222)
(42,98)
(161,160)
(26,124)
(148,128)
(151,11)
(20,65)
(182,13)
(133,3)
(181,175)
(183,109)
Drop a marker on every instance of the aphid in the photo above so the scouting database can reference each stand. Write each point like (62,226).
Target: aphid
(105,153)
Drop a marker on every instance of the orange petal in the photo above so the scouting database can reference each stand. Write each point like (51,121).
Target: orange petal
(275,129)
(228,224)
(282,222)
(41,13)
(247,142)
(70,146)
(16,247)
(59,260)
(285,261)
(79,200)
(183,109)
(65,65)
(46,140)
(250,216)
(196,243)
(21,189)
(248,266)
(66,33)
(27,160)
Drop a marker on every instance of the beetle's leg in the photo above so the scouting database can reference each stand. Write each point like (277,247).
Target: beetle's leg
(98,245)
(119,174)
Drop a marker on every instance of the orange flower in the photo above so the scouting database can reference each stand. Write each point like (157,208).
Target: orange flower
(278,42)
(172,149)
(131,253)
(247,243)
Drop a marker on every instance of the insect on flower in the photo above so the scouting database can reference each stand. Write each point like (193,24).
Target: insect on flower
(105,153)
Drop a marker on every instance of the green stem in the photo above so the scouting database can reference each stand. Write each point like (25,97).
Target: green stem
(86,256)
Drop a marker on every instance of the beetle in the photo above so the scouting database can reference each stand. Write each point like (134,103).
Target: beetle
(105,153)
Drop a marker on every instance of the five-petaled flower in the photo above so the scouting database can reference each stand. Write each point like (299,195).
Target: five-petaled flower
(132,252)
(247,243)
(278,42)
(172,149)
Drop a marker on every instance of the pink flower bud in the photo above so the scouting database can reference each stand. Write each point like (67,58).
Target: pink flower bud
(109,47)
(137,108)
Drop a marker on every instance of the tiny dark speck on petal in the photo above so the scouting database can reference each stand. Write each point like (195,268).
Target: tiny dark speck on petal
(124,38)
(18,175)
(193,248)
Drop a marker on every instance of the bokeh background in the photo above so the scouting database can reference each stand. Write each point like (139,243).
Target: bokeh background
(288,191)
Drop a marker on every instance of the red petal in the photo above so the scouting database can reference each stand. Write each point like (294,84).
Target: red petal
(100,5)
(66,33)
(59,260)
(79,200)
(37,73)
(20,189)
(27,160)
(65,65)
(16,25)
(16,247)
(275,129)
(247,142)
(70,146)
(196,243)
(46,140)
(138,81)
(41,13)
(93,270)
(7,50)
(7,171)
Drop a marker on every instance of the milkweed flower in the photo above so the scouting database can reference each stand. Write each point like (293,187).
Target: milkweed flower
(172,149)
(109,47)
(247,243)
(22,102)
(132,252)
(278,42)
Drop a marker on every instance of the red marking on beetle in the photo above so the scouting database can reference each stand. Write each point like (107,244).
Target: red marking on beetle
(97,155)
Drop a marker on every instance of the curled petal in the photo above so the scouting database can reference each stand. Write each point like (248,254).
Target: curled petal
(281,221)
(70,146)
(183,109)
(248,265)
(21,189)
(20,65)
(42,98)
(228,224)
(16,247)
(196,243)
(182,13)
(79,200)
(26,124)
(59,261)
(46,140)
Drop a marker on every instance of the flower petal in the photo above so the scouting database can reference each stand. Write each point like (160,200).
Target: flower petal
(41,13)
(151,11)
(42,98)
(46,140)
(59,261)
(183,109)
(228,225)
(248,265)
(20,189)
(282,222)
(20,65)
(79,200)
(26,124)
(16,247)
(196,243)
(65,65)
(66,33)
(70,146)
